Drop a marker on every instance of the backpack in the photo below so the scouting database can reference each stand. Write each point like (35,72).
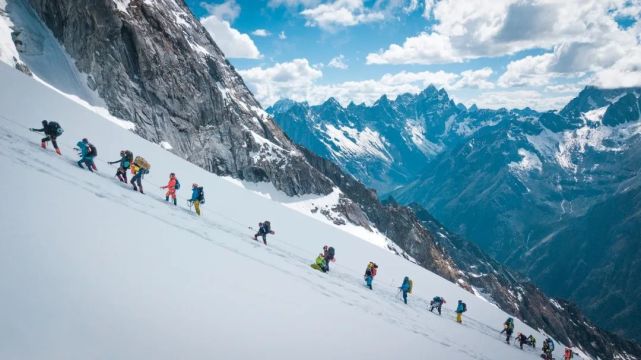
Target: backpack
(177,184)
(437,299)
(267,225)
(142,163)
(201,195)
(330,252)
(55,128)
(129,155)
(464,307)
(92,151)
(411,284)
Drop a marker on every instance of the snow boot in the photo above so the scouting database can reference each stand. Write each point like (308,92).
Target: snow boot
(175,202)
(58,151)
(43,144)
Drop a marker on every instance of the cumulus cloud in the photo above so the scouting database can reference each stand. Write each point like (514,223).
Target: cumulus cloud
(519,99)
(228,10)
(338,62)
(283,80)
(422,49)
(528,71)
(340,13)
(298,80)
(626,72)
(261,32)
(585,30)
(475,79)
(232,42)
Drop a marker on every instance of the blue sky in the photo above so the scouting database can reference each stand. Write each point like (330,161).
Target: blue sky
(503,53)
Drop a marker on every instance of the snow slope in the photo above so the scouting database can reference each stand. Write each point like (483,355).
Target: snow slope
(90,269)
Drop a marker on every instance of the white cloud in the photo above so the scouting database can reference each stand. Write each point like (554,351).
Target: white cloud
(281,80)
(422,49)
(228,10)
(475,79)
(232,42)
(282,36)
(338,62)
(580,30)
(261,32)
(626,72)
(528,71)
(340,13)
(519,99)
(297,80)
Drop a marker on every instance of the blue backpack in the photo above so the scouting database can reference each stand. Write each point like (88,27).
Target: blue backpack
(177,184)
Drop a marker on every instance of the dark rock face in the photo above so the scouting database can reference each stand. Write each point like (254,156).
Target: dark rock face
(155,65)
(626,109)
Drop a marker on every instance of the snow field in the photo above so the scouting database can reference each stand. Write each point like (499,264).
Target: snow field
(91,269)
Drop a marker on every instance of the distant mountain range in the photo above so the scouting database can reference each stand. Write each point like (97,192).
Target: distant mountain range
(553,194)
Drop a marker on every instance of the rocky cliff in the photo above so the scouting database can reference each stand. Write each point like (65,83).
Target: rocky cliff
(154,64)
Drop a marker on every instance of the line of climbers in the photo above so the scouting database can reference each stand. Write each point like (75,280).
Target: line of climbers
(140,167)
(521,339)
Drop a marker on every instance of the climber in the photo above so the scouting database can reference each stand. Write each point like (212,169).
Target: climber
(548,348)
(521,339)
(197,197)
(508,328)
(568,354)
(370,272)
(139,169)
(52,131)
(406,288)
(126,157)
(87,152)
(328,254)
(171,187)
(436,303)
(264,228)
(460,309)
(531,340)
(319,264)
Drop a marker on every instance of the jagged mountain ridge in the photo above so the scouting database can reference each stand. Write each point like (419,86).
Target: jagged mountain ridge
(509,179)
(387,144)
(240,140)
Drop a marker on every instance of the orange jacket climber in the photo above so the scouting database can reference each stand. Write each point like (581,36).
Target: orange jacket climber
(171,188)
